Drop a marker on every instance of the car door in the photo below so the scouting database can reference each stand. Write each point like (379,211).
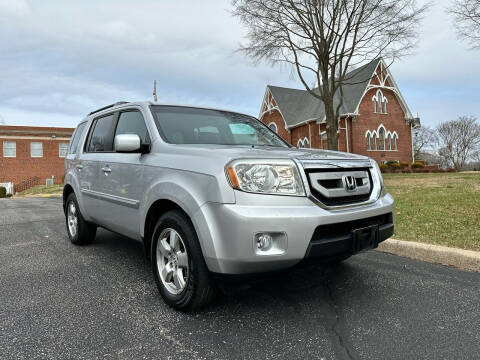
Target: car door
(122,180)
(98,143)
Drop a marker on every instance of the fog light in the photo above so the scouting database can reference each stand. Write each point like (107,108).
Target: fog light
(264,242)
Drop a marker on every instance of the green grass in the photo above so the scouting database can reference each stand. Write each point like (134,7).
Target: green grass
(43,190)
(437,208)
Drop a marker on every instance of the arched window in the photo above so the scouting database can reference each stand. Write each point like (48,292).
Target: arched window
(389,142)
(374,138)
(306,143)
(395,138)
(300,143)
(381,139)
(379,103)
(368,142)
(273,127)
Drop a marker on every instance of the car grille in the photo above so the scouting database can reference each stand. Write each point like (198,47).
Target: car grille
(337,187)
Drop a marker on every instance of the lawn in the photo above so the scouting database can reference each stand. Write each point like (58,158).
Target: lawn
(43,190)
(437,208)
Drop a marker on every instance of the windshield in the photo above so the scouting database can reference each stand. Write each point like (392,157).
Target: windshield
(183,125)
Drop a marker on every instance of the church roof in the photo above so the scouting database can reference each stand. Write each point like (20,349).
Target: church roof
(298,106)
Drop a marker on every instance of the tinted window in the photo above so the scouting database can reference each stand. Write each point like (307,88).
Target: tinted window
(132,122)
(182,125)
(101,138)
(76,137)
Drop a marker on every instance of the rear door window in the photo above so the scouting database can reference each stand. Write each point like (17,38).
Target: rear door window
(101,134)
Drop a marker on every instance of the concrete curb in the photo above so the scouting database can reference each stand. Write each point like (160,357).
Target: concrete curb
(462,259)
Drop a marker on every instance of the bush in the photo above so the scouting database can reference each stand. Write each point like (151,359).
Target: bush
(383,168)
(9,195)
(404,164)
(395,166)
(3,192)
(390,163)
(417,165)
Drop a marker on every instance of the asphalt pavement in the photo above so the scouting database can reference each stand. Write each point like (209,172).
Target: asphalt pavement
(60,301)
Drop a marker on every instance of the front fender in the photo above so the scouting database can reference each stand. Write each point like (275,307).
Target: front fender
(186,189)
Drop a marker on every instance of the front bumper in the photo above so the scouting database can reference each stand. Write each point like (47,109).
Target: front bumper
(226,231)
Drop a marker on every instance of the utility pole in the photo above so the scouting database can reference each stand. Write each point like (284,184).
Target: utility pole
(155,90)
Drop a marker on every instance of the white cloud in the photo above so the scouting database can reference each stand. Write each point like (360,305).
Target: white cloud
(69,57)
(14,7)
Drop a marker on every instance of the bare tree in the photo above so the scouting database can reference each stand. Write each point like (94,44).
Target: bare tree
(460,140)
(424,139)
(466,15)
(324,39)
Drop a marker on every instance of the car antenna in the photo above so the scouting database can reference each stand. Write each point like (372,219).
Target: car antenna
(155,91)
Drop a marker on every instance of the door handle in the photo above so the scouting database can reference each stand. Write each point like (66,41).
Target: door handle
(106,169)
(79,167)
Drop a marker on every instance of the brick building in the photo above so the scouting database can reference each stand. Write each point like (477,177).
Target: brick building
(29,155)
(375,120)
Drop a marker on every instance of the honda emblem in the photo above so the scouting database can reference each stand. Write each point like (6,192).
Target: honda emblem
(349,183)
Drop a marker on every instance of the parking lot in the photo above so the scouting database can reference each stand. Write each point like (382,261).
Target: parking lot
(60,301)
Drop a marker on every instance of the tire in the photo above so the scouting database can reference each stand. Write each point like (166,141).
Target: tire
(181,275)
(79,231)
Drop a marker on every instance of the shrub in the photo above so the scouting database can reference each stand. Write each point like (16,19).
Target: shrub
(383,168)
(404,164)
(9,195)
(390,163)
(3,192)
(417,165)
(394,166)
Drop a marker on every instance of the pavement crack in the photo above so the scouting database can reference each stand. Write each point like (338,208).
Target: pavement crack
(334,328)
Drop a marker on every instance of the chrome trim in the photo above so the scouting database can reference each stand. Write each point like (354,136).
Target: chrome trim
(339,164)
(340,175)
(334,164)
(112,198)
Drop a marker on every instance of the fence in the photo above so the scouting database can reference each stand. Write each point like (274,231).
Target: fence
(8,186)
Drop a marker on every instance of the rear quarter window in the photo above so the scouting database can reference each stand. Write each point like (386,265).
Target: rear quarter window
(77,135)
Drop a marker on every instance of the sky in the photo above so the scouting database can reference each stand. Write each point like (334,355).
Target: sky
(61,59)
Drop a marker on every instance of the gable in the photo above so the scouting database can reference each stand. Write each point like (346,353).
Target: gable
(298,106)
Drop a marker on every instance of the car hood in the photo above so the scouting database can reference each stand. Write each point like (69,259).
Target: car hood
(235,152)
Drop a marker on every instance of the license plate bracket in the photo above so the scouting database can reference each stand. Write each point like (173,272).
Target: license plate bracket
(364,238)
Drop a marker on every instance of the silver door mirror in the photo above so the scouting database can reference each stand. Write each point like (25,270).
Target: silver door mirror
(127,143)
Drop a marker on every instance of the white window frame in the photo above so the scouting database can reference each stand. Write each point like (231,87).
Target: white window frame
(31,149)
(14,149)
(65,150)
(275,125)
(379,103)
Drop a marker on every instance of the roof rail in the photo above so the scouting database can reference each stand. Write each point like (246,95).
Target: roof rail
(108,107)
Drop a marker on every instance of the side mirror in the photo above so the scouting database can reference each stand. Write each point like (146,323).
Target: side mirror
(127,143)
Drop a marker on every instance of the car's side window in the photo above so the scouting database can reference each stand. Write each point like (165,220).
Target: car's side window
(76,138)
(100,138)
(132,122)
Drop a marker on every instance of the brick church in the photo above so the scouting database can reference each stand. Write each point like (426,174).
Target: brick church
(375,119)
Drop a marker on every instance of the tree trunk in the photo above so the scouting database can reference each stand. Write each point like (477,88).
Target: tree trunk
(332,125)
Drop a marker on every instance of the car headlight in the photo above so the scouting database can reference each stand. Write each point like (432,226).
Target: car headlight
(280,177)
(383,191)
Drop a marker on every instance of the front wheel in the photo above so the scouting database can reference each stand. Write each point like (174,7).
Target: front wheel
(180,272)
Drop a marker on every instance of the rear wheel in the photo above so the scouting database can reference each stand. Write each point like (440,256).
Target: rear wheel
(79,231)
(180,272)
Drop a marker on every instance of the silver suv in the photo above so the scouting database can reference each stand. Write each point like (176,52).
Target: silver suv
(210,192)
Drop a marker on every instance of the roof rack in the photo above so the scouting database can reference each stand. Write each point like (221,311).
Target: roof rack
(108,107)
